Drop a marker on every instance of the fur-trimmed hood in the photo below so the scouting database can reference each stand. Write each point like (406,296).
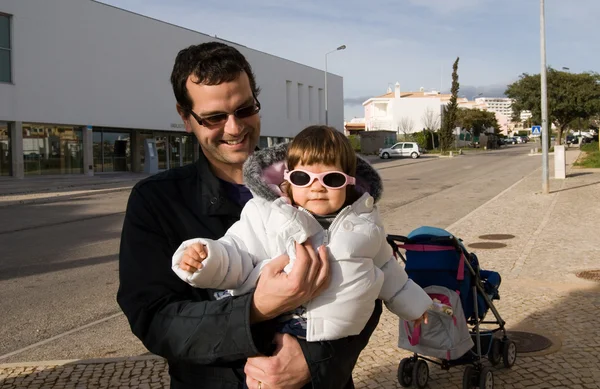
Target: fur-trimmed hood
(263,173)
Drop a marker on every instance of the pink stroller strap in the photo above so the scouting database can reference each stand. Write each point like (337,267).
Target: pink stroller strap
(413,337)
(426,247)
(460,274)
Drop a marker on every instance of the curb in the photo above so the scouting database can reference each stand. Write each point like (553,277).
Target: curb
(59,197)
(63,362)
(404,164)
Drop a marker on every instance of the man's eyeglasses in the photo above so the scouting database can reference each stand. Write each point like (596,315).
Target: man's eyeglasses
(330,180)
(221,118)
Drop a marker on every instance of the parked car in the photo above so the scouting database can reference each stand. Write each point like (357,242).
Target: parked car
(401,149)
(589,139)
(510,140)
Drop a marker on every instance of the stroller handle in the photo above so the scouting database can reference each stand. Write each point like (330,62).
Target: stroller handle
(397,238)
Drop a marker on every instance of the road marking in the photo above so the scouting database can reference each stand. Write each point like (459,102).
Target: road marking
(52,339)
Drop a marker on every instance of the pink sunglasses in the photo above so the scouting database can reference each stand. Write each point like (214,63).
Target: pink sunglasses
(330,180)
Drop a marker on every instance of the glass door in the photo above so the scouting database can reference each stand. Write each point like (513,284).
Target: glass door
(5,157)
(175,151)
(162,149)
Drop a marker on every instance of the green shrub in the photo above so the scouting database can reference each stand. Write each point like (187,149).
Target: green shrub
(590,160)
(421,139)
(590,147)
(355,142)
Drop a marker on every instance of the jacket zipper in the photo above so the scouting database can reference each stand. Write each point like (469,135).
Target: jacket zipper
(334,223)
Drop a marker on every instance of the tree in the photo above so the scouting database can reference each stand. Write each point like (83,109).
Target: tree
(476,121)
(571,96)
(406,125)
(431,121)
(450,112)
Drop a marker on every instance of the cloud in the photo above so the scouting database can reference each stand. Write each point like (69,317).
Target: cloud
(413,42)
(352,101)
(448,6)
(471,92)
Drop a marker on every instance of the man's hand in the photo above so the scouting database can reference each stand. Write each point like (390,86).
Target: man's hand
(422,320)
(278,292)
(287,367)
(192,257)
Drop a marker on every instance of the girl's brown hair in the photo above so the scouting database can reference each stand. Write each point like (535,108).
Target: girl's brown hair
(324,145)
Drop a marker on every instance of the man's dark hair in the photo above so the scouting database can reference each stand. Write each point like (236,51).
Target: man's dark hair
(212,63)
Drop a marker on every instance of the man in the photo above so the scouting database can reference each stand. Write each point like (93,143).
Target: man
(212,342)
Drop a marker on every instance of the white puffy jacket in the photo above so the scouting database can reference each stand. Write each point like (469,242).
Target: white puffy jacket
(362,267)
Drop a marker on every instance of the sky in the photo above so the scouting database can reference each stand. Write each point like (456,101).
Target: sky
(413,42)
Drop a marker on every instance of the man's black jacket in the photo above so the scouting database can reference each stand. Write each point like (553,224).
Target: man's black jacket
(205,341)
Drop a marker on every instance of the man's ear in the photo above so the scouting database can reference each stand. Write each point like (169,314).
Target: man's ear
(185,117)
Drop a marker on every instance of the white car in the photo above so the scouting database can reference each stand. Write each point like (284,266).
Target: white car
(401,149)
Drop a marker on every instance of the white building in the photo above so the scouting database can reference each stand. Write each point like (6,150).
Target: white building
(500,105)
(83,84)
(525,115)
(405,112)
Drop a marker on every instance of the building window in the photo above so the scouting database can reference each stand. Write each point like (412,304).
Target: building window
(263,142)
(321,102)
(5,158)
(300,101)
(311,99)
(52,149)
(112,150)
(288,98)
(5,64)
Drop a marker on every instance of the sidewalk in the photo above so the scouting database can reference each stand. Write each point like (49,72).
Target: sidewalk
(44,189)
(553,237)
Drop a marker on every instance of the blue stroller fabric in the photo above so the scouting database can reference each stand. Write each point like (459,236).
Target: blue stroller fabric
(438,262)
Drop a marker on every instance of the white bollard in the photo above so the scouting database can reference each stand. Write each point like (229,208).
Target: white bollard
(450,155)
(560,166)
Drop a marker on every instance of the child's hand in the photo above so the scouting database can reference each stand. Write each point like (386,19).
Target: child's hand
(193,257)
(423,319)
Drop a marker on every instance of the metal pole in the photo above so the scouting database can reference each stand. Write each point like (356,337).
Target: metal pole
(545,173)
(342,47)
(326,113)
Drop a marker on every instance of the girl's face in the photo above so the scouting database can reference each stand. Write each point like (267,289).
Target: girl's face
(316,198)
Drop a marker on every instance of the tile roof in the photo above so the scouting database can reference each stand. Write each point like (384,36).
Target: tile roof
(415,95)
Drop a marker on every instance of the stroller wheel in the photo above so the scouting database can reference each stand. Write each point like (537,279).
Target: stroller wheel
(469,377)
(495,354)
(405,372)
(509,353)
(420,374)
(486,379)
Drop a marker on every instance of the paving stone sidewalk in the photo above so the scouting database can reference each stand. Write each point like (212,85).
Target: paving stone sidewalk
(555,236)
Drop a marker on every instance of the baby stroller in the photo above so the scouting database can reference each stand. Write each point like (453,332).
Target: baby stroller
(462,294)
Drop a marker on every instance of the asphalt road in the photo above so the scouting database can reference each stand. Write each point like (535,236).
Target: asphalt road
(59,273)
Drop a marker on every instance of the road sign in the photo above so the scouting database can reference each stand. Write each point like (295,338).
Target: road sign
(536,130)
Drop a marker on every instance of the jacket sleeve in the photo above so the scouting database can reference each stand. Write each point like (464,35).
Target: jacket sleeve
(401,295)
(331,362)
(171,318)
(232,258)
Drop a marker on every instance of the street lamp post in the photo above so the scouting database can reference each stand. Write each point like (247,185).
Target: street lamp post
(342,47)
(544,102)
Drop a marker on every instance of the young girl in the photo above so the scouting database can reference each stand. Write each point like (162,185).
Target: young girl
(328,195)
